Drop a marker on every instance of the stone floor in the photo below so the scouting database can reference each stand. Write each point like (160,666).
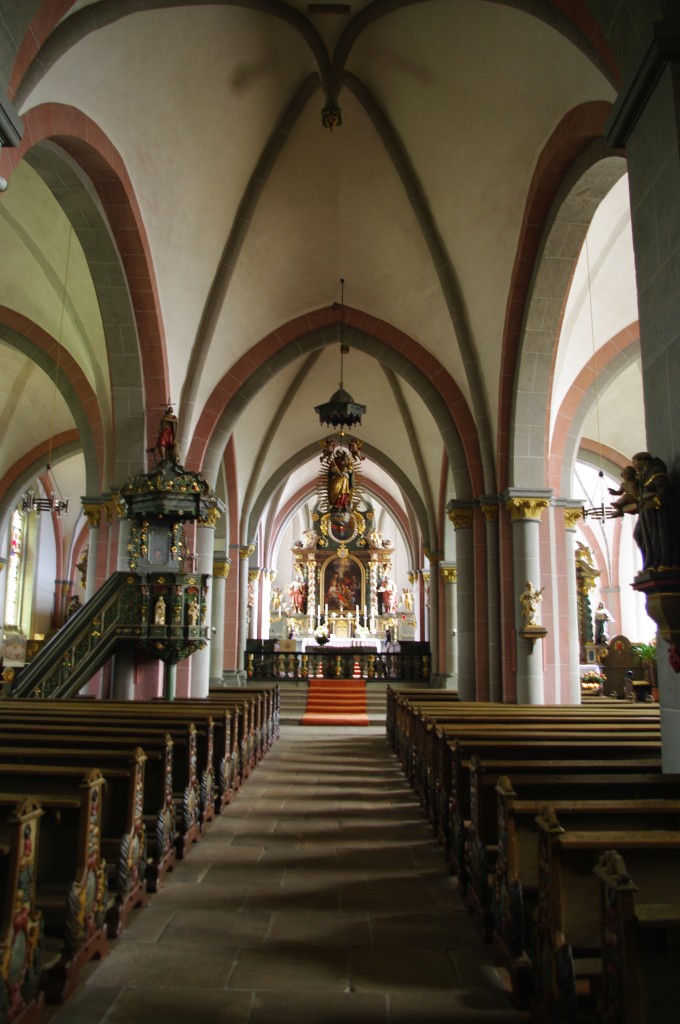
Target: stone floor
(317,897)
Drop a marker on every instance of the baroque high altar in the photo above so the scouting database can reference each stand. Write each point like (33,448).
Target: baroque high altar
(343,585)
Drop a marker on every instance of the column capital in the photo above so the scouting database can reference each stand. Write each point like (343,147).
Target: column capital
(525,507)
(254,574)
(93,514)
(449,573)
(245,551)
(221,568)
(209,519)
(572,515)
(433,557)
(489,509)
(460,513)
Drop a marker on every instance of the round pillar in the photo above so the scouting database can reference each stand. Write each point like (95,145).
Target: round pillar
(490,511)
(200,660)
(221,567)
(461,515)
(449,574)
(525,516)
(571,518)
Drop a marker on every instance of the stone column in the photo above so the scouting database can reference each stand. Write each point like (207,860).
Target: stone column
(265,601)
(244,552)
(205,548)
(3,563)
(221,567)
(461,515)
(449,574)
(490,510)
(254,577)
(433,583)
(572,515)
(646,120)
(525,516)
(92,513)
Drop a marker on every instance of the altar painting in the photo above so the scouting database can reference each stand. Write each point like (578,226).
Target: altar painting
(342,585)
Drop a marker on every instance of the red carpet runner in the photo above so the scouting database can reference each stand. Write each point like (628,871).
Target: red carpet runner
(336,702)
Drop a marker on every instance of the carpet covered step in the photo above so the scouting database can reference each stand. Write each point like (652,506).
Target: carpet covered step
(336,702)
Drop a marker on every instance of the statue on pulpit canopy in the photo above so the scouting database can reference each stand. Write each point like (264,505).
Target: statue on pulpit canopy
(166,442)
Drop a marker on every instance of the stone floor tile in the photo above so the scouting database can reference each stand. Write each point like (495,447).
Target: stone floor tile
(210,897)
(165,1005)
(315,1008)
(181,964)
(214,928)
(276,900)
(317,927)
(263,873)
(420,929)
(395,898)
(401,969)
(297,968)
(446,1008)
(86,1006)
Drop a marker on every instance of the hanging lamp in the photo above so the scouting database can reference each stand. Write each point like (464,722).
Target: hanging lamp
(341,410)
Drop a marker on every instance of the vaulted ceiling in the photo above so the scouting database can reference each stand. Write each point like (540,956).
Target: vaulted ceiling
(184,142)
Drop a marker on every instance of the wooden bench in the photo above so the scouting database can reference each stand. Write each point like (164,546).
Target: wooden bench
(639,944)
(71,879)
(21,931)
(158,805)
(123,832)
(185,773)
(567,954)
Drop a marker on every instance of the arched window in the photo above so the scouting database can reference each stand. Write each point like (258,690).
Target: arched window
(15,570)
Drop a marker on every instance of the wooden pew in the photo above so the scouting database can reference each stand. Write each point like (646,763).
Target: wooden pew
(185,774)
(21,931)
(567,956)
(515,884)
(71,879)
(639,942)
(158,808)
(624,755)
(123,832)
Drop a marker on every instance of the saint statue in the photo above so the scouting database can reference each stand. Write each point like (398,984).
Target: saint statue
(340,481)
(656,528)
(167,434)
(529,599)
(602,619)
(192,612)
(159,612)
(298,595)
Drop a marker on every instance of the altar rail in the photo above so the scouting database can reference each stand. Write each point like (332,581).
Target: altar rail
(339,663)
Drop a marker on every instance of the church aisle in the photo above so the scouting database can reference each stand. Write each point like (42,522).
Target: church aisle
(319,895)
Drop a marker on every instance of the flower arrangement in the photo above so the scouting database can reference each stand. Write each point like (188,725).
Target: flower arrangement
(592,680)
(321,634)
(361,631)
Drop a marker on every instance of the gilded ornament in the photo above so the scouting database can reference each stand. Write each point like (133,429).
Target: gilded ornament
(461,517)
(526,509)
(449,573)
(571,517)
(93,515)
(490,512)
(221,569)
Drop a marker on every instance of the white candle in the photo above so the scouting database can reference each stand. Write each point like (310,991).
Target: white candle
(326,611)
